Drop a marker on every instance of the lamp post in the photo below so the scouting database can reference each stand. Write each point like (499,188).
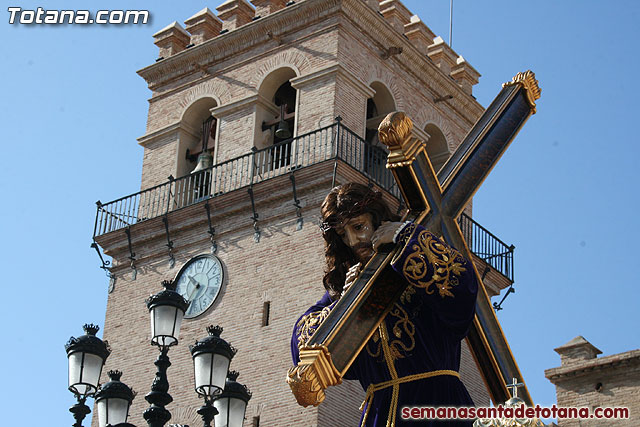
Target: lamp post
(166,309)
(211,358)
(232,403)
(113,399)
(86,355)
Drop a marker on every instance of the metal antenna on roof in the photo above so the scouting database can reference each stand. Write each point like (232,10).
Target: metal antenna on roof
(450,23)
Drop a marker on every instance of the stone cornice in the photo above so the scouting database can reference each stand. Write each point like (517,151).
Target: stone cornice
(302,13)
(240,39)
(412,60)
(148,138)
(585,367)
(333,70)
(227,109)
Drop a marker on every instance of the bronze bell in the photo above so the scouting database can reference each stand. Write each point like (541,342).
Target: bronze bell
(205,161)
(283,131)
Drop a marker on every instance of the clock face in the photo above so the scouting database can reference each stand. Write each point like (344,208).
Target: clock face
(199,282)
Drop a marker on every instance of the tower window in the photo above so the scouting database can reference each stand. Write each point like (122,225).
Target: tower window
(256,421)
(266,308)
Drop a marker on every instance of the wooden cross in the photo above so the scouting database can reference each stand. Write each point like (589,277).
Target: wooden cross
(434,202)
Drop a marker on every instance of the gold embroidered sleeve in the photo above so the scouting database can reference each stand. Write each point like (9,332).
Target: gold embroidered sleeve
(429,263)
(308,324)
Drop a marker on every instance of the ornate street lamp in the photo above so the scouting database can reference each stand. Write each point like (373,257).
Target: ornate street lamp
(166,309)
(86,355)
(113,399)
(211,358)
(232,403)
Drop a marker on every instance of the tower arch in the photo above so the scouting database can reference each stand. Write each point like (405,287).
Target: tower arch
(437,147)
(198,132)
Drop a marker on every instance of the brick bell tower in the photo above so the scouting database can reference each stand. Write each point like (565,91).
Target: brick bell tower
(256,113)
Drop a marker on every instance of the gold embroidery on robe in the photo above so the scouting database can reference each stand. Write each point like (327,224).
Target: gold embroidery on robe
(446,262)
(403,327)
(309,323)
(403,330)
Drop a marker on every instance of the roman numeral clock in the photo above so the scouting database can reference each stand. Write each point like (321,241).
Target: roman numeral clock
(199,282)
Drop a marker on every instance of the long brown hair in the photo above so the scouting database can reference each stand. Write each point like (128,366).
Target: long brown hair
(344,202)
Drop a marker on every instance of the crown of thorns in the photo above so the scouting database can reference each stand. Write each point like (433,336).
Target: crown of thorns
(358,208)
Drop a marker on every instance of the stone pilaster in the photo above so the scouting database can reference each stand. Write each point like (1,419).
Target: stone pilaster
(266,7)
(235,14)
(442,55)
(203,26)
(396,14)
(465,75)
(236,128)
(171,40)
(419,34)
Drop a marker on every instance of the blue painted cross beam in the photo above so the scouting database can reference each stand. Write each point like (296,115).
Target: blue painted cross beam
(435,202)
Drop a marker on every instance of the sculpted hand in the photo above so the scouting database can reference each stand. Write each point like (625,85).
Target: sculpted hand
(351,276)
(384,234)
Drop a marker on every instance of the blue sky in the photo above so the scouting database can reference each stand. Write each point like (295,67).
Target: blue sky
(565,193)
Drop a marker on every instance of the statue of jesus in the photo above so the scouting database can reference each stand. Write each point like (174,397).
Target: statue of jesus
(413,358)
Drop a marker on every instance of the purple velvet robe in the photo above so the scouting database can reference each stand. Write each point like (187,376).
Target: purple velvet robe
(423,330)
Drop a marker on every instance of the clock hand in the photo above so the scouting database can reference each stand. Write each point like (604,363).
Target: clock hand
(195,289)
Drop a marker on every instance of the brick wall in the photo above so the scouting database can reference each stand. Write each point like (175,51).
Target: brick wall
(584,380)
(336,58)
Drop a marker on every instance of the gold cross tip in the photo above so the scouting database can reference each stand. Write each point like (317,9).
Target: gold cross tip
(528,80)
(395,129)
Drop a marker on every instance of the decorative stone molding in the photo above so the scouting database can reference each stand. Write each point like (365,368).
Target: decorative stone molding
(267,7)
(396,14)
(228,109)
(171,40)
(333,71)
(203,26)
(419,34)
(579,358)
(268,105)
(303,14)
(373,4)
(235,14)
(293,59)
(149,138)
(216,89)
(442,55)
(465,75)
(576,350)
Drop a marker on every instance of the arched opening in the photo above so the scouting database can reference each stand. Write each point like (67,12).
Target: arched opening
(375,153)
(195,152)
(437,148)
(198,136)
(276,116)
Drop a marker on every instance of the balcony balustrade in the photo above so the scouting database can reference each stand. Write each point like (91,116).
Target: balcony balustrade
(335,142)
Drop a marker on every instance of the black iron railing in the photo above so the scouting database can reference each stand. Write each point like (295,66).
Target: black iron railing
(486,246)
(328,143)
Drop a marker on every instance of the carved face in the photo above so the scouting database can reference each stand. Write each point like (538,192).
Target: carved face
(356,233)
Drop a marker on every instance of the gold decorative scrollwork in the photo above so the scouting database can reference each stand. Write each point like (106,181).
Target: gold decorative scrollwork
(446,263)
(313,375)
(305,386)
(403,327)
(308,324)
(403,330)
(528,80)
